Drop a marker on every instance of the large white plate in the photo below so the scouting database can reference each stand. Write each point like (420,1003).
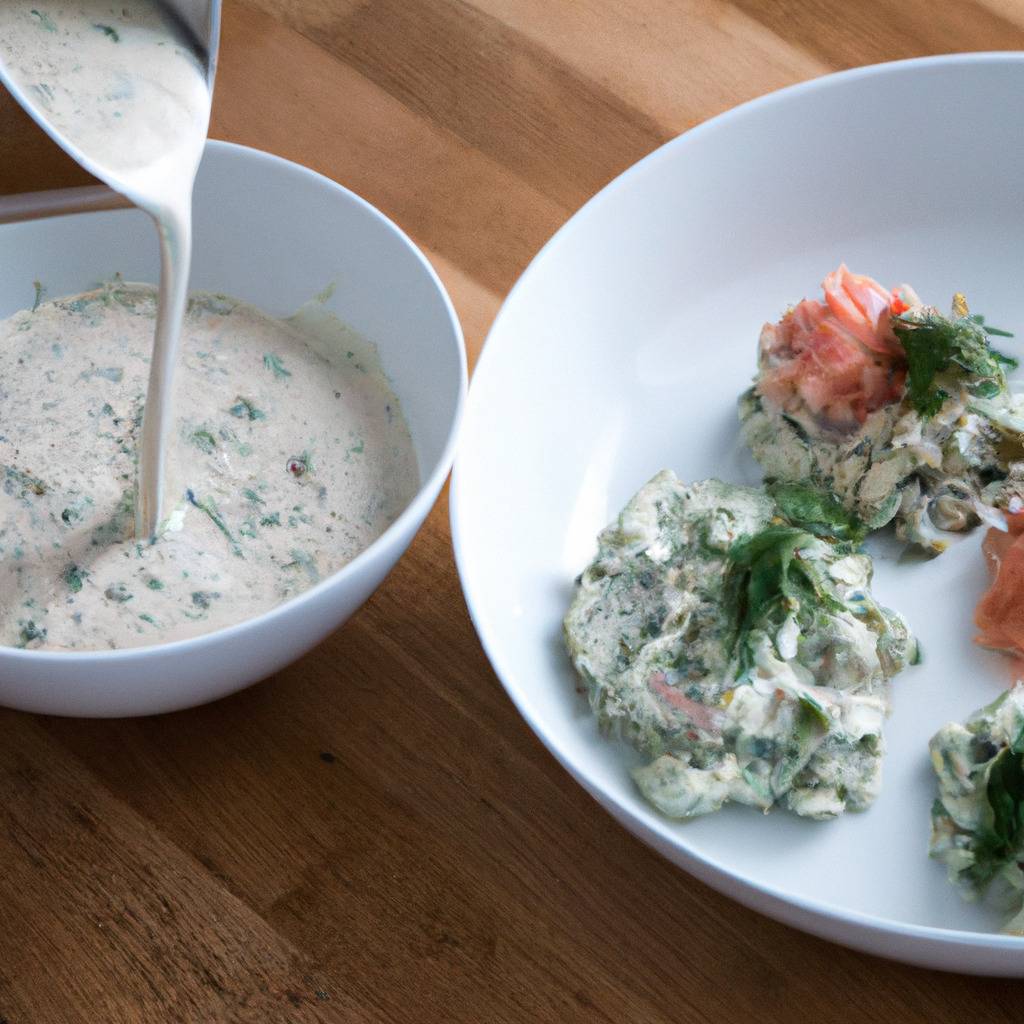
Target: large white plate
(622,350)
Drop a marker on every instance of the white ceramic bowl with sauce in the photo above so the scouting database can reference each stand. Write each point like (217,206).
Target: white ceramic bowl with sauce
(622,351)
(275,234)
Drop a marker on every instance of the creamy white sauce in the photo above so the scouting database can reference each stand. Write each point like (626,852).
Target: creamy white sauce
(289,456)
(132,102)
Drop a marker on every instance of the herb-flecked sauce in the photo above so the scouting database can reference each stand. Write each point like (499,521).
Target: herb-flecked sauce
(120,86)
(289,455)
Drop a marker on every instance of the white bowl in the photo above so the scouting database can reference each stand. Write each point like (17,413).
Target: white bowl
(622,351)
(274,234)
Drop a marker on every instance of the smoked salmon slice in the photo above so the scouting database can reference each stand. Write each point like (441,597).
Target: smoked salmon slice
(1000,612)
(839,358)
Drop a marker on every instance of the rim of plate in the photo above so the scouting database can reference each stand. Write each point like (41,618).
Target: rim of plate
(657,828)
(414,511)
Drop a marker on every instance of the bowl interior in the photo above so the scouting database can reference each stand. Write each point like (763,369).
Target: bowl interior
(277,235)
(622,351)
(274,234)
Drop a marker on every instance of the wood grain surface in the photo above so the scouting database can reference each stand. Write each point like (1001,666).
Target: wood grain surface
(374,835)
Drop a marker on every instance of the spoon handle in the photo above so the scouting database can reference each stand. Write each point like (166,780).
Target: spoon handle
(60,201)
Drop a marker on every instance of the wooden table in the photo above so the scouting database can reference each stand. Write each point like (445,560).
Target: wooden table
(374,834)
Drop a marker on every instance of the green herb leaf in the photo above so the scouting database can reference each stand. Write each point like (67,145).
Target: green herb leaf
(203,440)
(109,31)
(952,352)
(29,632)
(209,507)
(44,20)
(766,579)
(818,511)
(305,561)
(273,363)
(245,409)
(1002,839)
(815,710)
(74,576)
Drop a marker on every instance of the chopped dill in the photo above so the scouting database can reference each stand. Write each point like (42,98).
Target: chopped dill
(245,409)
(209,507)
(273,363)
(74,576)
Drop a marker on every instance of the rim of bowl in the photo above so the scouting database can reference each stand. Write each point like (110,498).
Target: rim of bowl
(417,508)
(656,828)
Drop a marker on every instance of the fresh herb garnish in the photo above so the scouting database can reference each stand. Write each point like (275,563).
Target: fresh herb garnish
(766,580)
(818,511)
(945,351)
(1001,838)
(109,31)
(40,292)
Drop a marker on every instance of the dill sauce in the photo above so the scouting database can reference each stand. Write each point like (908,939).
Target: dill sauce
(289,454)
(279,465)
(130,97)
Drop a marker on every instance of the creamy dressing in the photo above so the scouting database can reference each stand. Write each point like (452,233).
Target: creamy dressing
(289,456)
(132,103)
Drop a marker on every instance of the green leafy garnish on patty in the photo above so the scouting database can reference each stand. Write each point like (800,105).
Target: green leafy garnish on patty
(766,580)
(816,510)
(1001,837)
(943,351)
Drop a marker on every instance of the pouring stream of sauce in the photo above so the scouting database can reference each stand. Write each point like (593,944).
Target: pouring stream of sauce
(127,97)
